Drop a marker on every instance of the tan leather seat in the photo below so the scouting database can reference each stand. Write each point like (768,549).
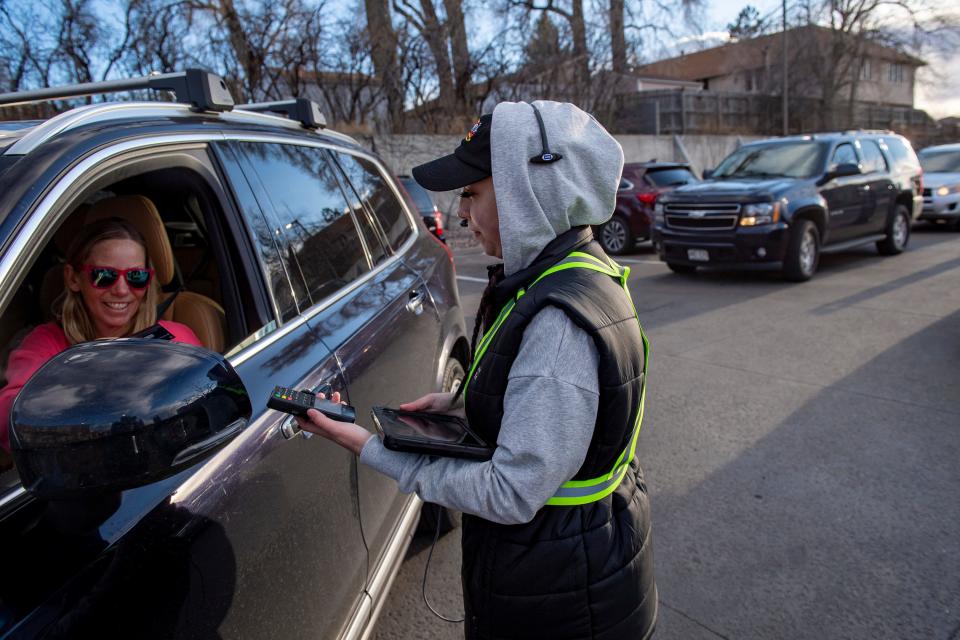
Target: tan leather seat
(200,313)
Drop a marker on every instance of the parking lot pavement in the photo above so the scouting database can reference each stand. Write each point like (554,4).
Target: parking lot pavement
(800,443)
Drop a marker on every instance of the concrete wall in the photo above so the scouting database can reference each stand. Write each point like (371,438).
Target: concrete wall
(403,152)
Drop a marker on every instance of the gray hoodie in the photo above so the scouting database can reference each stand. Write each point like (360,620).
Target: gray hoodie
(552,394)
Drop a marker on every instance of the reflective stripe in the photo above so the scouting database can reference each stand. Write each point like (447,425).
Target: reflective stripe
(576,492)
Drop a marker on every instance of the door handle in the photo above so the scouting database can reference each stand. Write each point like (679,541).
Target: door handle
(289,428)
(415,303)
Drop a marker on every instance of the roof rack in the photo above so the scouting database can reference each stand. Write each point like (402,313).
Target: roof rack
(202,90)
(305,111)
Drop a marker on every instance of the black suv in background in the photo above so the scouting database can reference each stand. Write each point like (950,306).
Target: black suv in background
(148,491)
(778,204)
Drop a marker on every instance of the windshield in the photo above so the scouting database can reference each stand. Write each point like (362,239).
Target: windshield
(940,161)
(773,160)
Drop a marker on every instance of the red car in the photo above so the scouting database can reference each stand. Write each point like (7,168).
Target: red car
(640,185)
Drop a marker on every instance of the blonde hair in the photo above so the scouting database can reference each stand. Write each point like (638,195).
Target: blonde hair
(69,307)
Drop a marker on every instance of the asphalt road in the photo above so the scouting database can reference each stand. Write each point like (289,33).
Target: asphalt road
(802,449)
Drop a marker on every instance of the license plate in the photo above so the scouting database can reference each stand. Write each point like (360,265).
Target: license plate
(698,255)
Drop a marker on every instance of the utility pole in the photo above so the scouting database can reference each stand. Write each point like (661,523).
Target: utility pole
(786,126)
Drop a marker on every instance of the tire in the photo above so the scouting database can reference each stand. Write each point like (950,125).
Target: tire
(682,268)
(616,238)
(453,376)
(898,233)
(803,252)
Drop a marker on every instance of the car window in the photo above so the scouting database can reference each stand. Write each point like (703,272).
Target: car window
(318,224)
(372,189)
(669,176)
(205,271)
(940,161)
(873,160)
(625,185)
(843,154)
(901,153)
(265,240)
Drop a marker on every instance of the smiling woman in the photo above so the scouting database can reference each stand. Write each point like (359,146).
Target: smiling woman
(109,292)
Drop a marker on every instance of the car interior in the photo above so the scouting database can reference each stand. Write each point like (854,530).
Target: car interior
(183,224)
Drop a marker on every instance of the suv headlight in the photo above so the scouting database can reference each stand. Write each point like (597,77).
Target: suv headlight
(947,189)
(658,212)
(761,213)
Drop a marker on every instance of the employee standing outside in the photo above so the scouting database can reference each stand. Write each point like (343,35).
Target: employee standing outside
(556,528)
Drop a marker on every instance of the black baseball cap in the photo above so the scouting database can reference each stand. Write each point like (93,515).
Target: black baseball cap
(469,162)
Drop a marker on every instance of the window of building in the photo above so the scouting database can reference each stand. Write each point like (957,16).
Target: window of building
(895,73)
(866,70)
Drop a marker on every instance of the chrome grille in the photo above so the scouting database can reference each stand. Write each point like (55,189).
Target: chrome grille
(701,217)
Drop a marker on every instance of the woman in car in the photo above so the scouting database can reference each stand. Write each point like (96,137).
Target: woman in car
(109,292)
(556,528)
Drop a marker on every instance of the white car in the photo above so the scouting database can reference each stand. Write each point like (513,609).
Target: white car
(941,183)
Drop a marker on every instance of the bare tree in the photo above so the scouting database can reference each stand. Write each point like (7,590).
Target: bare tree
(383,39)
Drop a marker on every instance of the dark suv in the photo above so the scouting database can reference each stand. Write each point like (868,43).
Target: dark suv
(150,492)
(778,204)
(640,185)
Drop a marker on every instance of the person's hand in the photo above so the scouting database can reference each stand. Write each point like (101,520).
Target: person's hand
(432,403)
(347,434)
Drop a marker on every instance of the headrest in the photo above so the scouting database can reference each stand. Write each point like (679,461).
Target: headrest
(141,213)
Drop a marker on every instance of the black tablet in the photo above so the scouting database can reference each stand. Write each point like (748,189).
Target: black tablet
(431,433)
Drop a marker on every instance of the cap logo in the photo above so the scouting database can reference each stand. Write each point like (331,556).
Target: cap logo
(473,131)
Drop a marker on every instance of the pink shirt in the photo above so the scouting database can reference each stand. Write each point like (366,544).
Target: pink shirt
(40,345)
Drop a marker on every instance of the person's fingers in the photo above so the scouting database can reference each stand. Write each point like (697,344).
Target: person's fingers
(334,397)
(419,404)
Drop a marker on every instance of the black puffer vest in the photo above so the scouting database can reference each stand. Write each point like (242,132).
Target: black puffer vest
(583,571)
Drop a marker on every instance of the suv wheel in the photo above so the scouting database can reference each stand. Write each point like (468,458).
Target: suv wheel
(615,236)
(803,253)
(453,375)
(681,268)
(898,233)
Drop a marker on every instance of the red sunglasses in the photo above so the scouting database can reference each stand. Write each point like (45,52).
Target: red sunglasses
(106,277)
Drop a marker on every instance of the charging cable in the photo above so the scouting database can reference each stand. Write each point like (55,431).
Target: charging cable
(426,569)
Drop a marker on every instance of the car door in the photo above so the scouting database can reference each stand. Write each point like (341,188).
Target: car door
(386,334)
(199,553)
(303,527)
(844,195)
(881,188)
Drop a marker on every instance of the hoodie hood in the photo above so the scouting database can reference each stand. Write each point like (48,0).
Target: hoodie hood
(538,202)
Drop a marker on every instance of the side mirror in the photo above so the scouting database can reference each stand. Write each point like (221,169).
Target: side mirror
(114,414)
(707,173)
